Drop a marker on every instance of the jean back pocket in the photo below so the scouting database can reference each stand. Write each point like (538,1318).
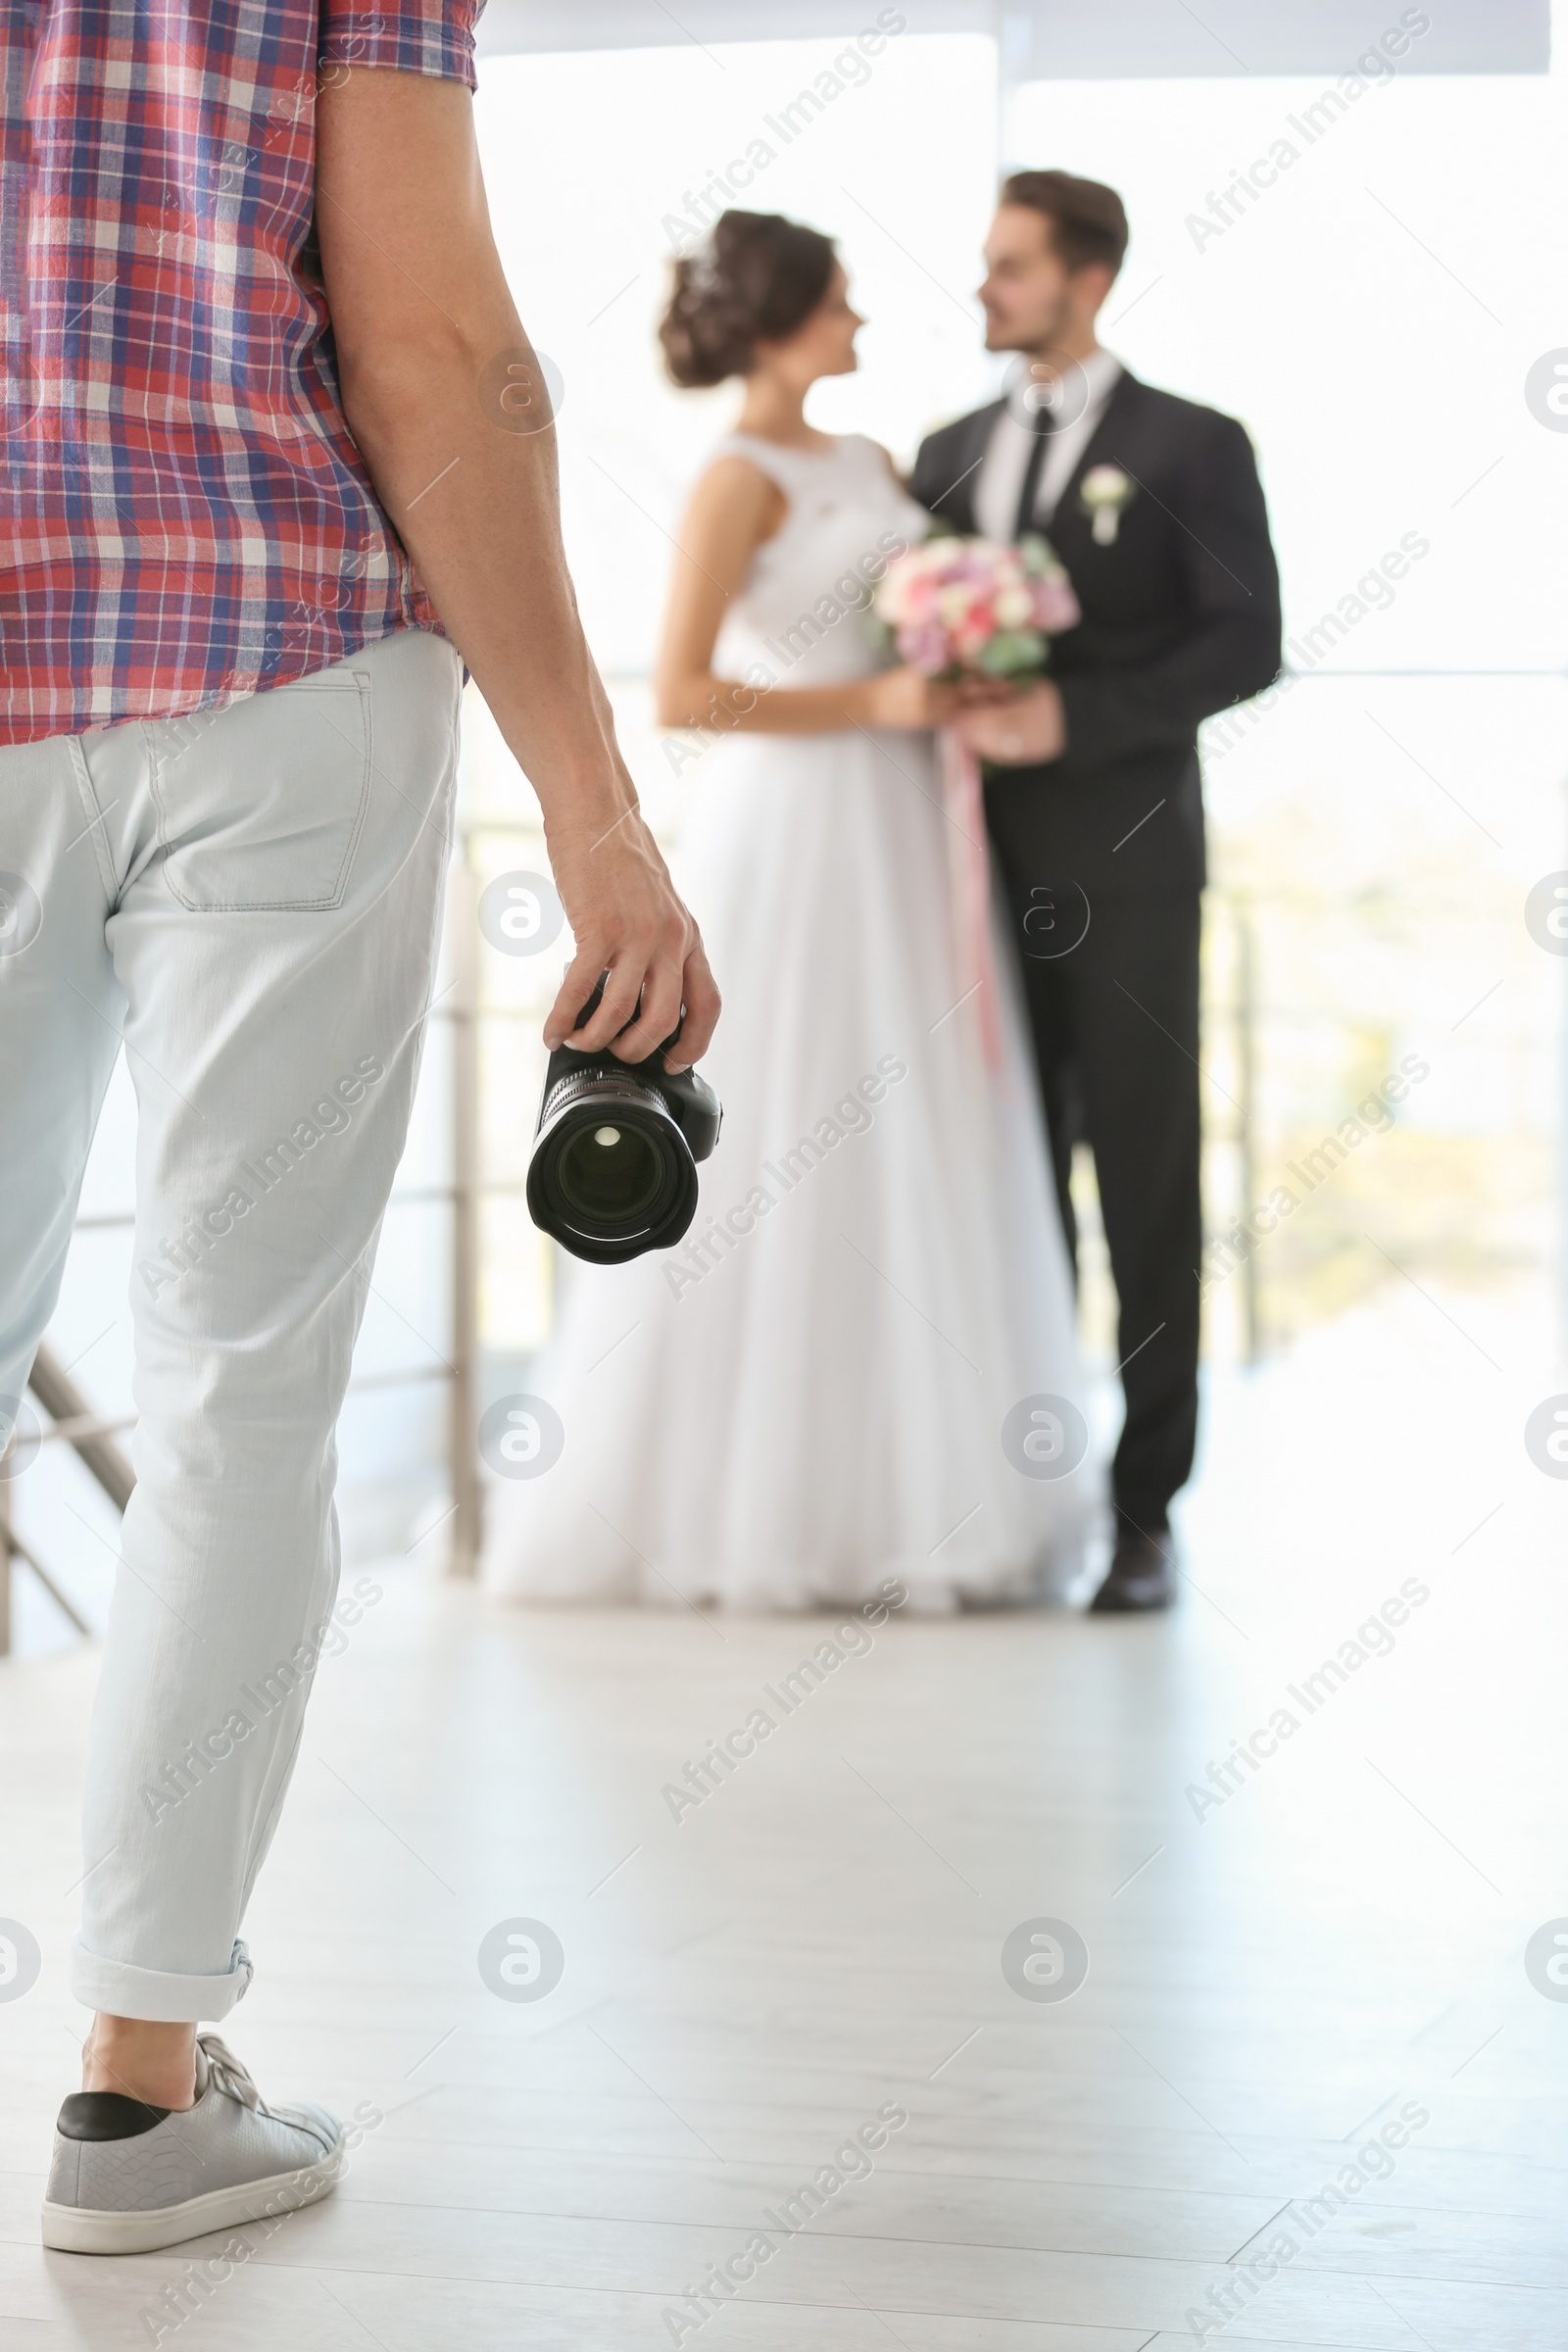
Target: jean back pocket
(261,804)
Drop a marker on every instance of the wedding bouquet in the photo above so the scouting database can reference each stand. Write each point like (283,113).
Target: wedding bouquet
(957,609)
(966,607)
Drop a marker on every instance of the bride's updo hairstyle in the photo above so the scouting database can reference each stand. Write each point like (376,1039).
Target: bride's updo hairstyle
(758,278)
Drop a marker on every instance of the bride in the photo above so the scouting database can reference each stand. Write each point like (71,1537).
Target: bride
(860,1363)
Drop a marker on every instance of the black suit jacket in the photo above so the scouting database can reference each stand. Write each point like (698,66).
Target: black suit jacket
(1180,617)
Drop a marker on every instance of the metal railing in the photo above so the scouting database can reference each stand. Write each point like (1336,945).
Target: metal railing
(1238,1011)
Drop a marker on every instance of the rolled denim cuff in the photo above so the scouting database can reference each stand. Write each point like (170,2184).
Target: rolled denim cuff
(118,1990)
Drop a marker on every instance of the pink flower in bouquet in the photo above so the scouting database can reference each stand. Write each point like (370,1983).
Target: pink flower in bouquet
(956,608)
(926,645)
(1055,606)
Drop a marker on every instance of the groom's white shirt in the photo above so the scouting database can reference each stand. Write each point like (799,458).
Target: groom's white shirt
(999,482)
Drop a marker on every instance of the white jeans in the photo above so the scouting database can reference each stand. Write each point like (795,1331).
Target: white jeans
(250,898)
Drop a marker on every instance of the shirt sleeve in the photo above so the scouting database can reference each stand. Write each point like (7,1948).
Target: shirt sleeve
(1225,647)
(406,36)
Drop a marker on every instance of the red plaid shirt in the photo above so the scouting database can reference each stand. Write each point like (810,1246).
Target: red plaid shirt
(184,518)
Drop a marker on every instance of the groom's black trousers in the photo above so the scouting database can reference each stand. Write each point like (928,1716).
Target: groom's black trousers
(1116,1038)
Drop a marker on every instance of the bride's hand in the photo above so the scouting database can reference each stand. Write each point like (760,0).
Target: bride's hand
(906,698)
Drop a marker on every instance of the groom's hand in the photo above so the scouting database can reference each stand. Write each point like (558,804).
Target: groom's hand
(1025,732)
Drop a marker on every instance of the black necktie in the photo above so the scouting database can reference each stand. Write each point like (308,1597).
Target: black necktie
(1044,424)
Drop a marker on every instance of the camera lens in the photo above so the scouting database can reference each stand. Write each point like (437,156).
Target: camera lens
(609,1175)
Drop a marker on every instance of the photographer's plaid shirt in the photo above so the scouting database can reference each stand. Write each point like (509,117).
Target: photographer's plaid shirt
(184,518)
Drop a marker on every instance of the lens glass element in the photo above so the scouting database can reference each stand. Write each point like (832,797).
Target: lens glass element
(609,1176)
(611,1173)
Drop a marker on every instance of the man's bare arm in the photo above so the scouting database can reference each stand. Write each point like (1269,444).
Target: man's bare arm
(420,310)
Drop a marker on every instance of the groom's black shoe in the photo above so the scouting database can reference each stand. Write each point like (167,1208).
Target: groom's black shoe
(1142,1575)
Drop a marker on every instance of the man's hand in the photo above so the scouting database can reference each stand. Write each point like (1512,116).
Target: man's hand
(630,927)
(1025,732)
(447,404)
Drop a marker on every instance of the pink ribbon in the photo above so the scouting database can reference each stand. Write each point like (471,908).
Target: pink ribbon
(969,866)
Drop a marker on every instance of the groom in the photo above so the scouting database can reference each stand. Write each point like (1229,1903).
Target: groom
(1093,794)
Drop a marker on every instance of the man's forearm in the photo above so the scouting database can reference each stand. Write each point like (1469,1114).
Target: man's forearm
(428,341)
(476,505)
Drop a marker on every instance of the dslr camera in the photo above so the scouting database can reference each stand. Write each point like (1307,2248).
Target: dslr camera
(613,1167)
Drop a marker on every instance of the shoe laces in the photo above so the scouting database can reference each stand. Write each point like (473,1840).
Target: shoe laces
(230,2076)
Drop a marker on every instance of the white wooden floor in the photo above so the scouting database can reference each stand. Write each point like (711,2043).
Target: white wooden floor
(1340,1942)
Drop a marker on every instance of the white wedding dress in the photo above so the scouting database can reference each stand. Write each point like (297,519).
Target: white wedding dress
(812,1399)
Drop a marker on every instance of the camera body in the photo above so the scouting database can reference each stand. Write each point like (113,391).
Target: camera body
(613,1167)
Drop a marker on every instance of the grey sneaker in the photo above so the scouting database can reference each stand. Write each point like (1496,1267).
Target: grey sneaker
(127,2177)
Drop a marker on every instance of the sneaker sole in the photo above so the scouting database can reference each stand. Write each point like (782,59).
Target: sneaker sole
(82,2229)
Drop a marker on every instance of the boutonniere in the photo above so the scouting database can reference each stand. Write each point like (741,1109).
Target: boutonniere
(1103,493)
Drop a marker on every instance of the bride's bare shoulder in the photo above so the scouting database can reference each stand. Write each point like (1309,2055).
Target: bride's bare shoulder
(734,491)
